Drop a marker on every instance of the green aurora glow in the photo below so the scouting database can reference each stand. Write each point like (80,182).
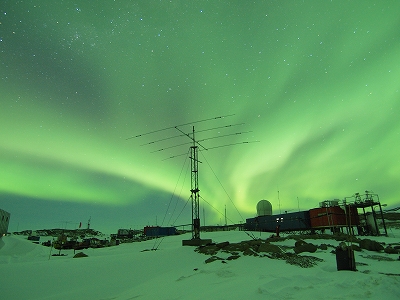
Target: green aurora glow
(316,82)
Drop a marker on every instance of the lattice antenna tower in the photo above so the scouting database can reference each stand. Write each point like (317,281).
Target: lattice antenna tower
(194,188)
(194,166)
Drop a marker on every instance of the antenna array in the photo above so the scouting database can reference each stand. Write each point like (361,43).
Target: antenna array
(194,162)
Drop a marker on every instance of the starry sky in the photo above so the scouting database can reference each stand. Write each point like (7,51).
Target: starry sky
(303,95)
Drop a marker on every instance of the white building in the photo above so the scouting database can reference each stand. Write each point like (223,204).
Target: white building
(4,220)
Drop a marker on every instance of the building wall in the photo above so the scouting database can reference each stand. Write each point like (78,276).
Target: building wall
(334,216)
(154,231)
(286,222)
(4,221)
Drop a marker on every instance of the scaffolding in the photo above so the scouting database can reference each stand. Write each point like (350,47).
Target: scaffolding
(369,200)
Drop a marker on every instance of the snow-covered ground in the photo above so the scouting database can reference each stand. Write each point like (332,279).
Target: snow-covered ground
(178,272)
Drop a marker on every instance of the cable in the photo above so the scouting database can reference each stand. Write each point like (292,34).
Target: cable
(187,201)
(223,187)
(180,193)
(173,194)
(249,234)
(169,204)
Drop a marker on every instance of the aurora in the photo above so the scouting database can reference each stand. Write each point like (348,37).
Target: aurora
(315,83)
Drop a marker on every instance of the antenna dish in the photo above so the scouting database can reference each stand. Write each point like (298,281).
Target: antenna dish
(264,208)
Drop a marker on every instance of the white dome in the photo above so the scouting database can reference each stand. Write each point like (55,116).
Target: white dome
(264,208)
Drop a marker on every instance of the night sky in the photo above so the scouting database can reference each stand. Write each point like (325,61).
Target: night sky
(310,91)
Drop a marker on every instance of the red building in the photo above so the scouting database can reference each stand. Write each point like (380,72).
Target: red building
(334,216)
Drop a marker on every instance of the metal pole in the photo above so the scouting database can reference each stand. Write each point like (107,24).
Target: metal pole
(383,219)
(195,190)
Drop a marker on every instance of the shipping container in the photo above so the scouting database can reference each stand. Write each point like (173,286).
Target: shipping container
(334,216)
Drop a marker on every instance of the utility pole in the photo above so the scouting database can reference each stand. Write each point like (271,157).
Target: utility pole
(226,222)
(279,203)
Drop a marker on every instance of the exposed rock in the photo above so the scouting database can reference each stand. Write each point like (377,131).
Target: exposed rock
(323,247)
(274,238)
(299,243)
(208,250)
(222,245)
(249,251)
(236,247)
(355,247)
(391,250)
(232,257)
(302,246)
(379,257)
(80,254)
(255,247)
(253,242)
(212,258)
(371,245)
(298,260)
(270,248)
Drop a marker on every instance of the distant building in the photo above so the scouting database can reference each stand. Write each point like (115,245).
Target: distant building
(4,220)
(127,233)
(156,231)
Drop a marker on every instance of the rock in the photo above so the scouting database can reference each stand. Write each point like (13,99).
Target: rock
(270,248)
(232,257)
(249,251)
(253,242)
(355,247)
(208,250)
(391,250)
(294,259)
(370,245)
(323,247)
(241,247)
(80,254)
(299,243)
(211,259)
(305,247)
(222,245)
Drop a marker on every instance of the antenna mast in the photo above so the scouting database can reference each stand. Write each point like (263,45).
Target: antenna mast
(194,163)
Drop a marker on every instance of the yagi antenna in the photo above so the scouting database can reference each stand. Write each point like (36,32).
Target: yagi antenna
(214,137)
(139,135)
(194,148)
(186,134)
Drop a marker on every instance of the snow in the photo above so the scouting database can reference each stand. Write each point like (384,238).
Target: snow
(128,271)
